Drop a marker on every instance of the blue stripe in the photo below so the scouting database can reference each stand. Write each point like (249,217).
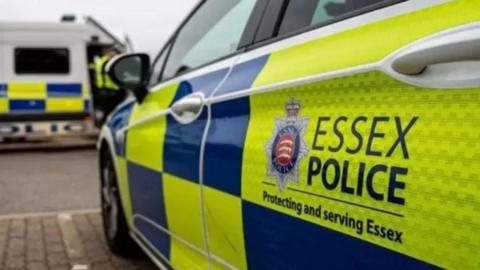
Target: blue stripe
(181,151)
(64,89)
(146,189)
(208,82)
(183,142)
(224,145)
(21,105)
(278,241)
(204,83)
(159,239)
(3,90)
(183,90)
(242,76)
(229,124)
(86,105)
(120,118)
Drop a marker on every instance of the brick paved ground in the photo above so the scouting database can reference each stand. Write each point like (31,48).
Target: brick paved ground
(38,243)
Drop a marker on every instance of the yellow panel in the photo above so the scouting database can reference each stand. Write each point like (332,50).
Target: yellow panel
(3,105)
(184,216)
(122,175)
(225,227)
(86,90)
(145,141)
(145,144)
(441,173)
(27,90)
(442,191)
(183,257)
(65,105)
(367,44)
(183,208)
(218,265)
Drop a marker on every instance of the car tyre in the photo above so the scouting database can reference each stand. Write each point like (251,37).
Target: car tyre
(115,226)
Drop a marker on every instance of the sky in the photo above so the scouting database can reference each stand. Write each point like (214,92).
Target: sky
(148,23)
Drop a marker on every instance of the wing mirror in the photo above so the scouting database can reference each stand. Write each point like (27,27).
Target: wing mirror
(131,71)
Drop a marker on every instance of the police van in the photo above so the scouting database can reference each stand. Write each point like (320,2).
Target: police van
(301,134)
(45,83)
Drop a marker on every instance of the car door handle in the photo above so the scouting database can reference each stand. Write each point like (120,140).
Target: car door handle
(189,108)
(459,46)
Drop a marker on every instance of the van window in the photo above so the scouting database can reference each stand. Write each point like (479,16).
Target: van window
(42,61)
(304,13)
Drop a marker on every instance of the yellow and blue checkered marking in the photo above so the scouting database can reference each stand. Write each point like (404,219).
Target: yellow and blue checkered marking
(3,98)
(224,146)
(176,159)
(148,201)
(64,90)
(119,120)
(3,90)
(22,97)
(161,169)
(27,105)
(248,232)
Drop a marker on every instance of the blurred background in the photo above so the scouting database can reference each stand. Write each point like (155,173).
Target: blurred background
(54,98)
(147,22)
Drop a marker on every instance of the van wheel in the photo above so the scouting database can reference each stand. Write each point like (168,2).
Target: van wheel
(114,222)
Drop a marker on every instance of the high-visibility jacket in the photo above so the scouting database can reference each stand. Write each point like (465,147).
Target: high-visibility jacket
(103,81)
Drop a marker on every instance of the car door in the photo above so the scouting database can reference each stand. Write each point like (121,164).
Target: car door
(347,138)
(165,132)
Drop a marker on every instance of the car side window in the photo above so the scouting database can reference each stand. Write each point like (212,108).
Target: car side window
(305,13)
(213,32)
(158,65)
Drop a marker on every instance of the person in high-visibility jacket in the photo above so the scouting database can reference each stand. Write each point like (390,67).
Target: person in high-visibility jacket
(102,79)
(109,94)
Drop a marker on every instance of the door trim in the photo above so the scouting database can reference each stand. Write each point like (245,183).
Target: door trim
(158,259)
(180,239)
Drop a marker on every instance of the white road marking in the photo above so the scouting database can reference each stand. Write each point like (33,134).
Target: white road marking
(71,238)
(80,267)
(50,214)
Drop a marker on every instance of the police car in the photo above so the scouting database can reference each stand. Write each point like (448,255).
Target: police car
(275,134)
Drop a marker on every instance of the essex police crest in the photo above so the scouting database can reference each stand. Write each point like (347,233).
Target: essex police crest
(287,147)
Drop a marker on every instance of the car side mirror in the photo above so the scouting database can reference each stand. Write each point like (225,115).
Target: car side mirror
(131,71)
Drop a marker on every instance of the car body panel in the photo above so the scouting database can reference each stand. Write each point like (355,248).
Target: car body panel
(412,147)
(157,186)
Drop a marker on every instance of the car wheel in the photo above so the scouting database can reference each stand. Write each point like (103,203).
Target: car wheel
(114,222)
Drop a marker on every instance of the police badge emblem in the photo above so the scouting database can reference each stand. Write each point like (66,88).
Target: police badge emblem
(287,147)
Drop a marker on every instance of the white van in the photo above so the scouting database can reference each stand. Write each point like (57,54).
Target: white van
(45,85)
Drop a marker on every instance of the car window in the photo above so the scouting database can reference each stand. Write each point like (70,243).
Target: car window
(213,32)
(42,61)
(158,65)
(304,13)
